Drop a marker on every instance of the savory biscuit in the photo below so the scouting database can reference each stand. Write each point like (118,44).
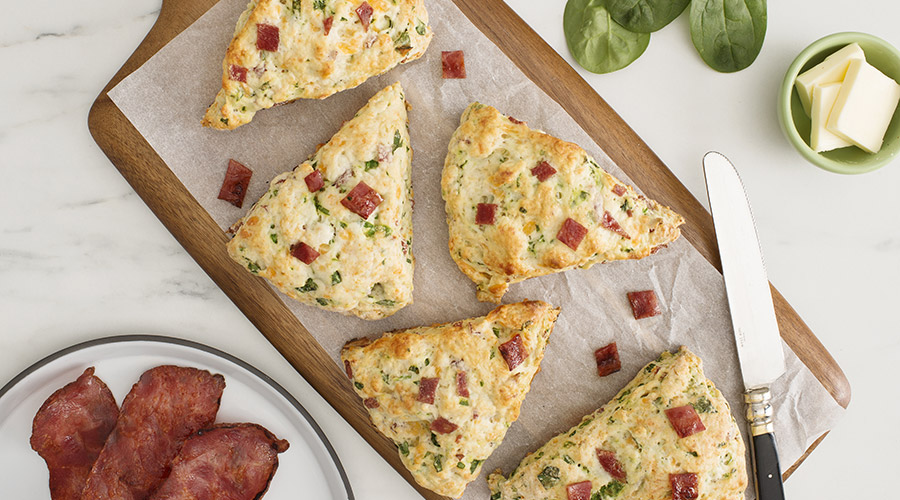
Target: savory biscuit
(670,428)
(291,49)
(336,232)
(446,394)
(521,203)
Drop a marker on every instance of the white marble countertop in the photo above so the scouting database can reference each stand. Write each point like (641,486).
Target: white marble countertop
(82,257)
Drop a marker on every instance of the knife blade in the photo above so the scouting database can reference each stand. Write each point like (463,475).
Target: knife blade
(752,314)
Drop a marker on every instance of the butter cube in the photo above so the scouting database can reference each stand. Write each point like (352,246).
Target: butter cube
(864,106)
(831,70)
(820,139)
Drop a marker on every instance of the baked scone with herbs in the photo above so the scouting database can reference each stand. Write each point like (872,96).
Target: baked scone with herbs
(446,394)
(522,203)
(336,232)
(284,50)
(669,434)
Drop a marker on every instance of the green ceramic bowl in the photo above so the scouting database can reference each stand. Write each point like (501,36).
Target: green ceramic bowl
(796,124)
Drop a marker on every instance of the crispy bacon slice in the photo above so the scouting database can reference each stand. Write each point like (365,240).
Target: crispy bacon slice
(69,430)
(462,387)
(237,73)
(571,233)
(485,214)
(348,369)
(166,406)
(427,386)
(326,24)
(684,486)
(304,253)
(609,222)
(685,420)
(579,491)
(443,426)
(543,171)
(618,189)
(453,64)
(314,181)
(371,403)
(607,360)
(611,464)
(517,122)
(226,462)
(364,11)
(643,304)
(267,37)
(237,180)
(513,351)
(362,200)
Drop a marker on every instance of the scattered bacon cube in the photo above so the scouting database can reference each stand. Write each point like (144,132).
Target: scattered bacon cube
(462,387)
(684,486)
(267,37)
(543,171)
(348,369)
(485,214)
(579,491)
(371,403)
(611,464)
(364,11)
(362,200)
(234,187)
(237,73)
(643,304)
(618,189)
(443,426)
(609,222)
(685,420)
(427,386)
(327,24)
(513,351)
(571,233)
(314,181)
(304,253)
(607,360)
(453,63)
(517,122)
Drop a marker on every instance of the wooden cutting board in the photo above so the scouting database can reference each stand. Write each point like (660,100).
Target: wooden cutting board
(202,238)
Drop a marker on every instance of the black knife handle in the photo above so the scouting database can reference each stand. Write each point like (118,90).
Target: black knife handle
(766,468)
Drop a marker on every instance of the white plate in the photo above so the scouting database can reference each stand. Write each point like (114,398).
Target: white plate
(309,467)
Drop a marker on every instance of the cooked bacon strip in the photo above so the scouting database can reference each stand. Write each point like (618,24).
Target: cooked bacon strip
(513,351)
(362,200)
(579,491)
(610,223)
(167,404)
(543,171)
(643,304)
(443,426)
(226,462)
(267,37)
(462,387)
(237,73)
(371,403)
(234,187)
(685,420)
(453,64)
(304,253)
(571,233)
(69,430)
(427,386)
(485,214)
(611,464)
(364,11)
(314,181)
(327,24)
(684,486)
(517,122)
(618,189)
(348,369)
(607,360)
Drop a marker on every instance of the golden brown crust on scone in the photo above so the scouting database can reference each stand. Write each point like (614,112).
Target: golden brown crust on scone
(388,374)
(634,428)
(365,265)
(491,160)
(308,63)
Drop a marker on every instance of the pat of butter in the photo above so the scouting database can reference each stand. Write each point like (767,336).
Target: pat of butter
(864,106)
(831,70)
(820,139)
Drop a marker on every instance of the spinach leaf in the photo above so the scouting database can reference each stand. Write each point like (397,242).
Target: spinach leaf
(645,16)
(596,41)
(728,34)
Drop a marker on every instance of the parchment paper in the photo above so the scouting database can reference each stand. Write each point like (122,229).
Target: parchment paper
(168,95)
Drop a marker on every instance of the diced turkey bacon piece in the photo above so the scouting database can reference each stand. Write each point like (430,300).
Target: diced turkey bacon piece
(618,189)
(684,486)
(427,386)
(571,233)
(267,37)
(348,369)
(362,200)
(443,426)
(234,187)
(327,24)
(513,351)
(304,252)
(453,64)
(69,431)
(643,304)
(579,491)
(517,122)
(462,387)
(543,171)
(485,214)
(685,420)
(314,181)
(611,464)
(166,406)
(237,73)
(364,11)
(371,403)
(226,462)
(607,360)
(609,222)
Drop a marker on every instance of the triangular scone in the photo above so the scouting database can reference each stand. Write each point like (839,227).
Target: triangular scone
(309,49)
(521,203)
(446,394)
(336,232)
(632,448)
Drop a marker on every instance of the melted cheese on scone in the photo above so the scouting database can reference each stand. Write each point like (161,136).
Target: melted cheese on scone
(444,442)
(309,49)
(532,186)
(364,265)
(634,430)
